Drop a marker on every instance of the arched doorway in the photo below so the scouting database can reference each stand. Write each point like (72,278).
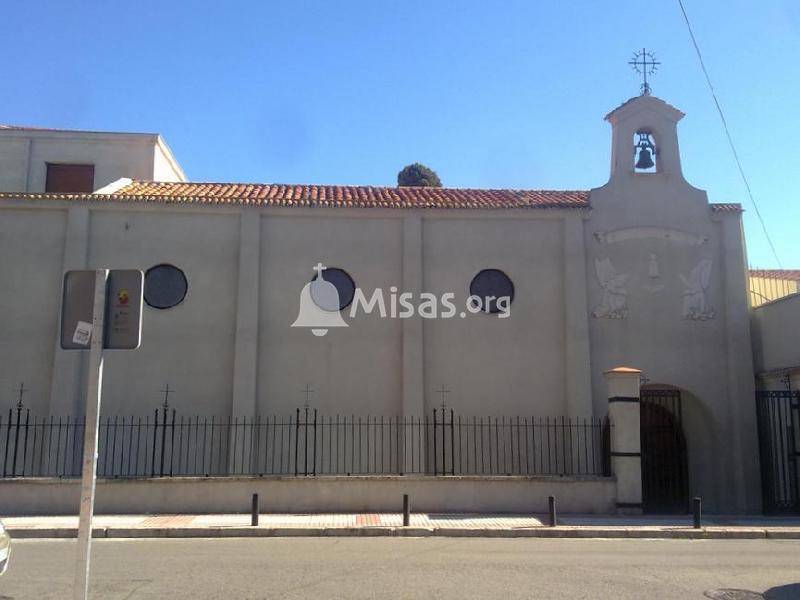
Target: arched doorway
(665,481)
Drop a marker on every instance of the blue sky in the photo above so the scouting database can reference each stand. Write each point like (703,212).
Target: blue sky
(504,94)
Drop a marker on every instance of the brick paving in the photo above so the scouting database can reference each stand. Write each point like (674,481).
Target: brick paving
(506,525)
(425,520)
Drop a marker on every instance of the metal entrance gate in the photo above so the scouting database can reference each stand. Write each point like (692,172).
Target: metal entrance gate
(778,414)
(665,485)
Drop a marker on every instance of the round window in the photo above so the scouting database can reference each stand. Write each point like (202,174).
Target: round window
(164,286)
(492,291)
(345,289)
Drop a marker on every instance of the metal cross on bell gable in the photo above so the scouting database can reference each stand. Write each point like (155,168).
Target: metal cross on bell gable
(644,63)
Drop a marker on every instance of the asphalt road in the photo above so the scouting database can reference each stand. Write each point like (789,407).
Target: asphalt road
(407,568)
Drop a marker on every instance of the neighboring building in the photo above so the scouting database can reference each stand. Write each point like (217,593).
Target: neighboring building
(776,327)
(37,160)
(641,272)
(767,285)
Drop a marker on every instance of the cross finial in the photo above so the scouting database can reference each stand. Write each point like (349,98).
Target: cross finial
(166,391)
(21,391)
(644,63)
(319,268)
(443,392)
(308,391)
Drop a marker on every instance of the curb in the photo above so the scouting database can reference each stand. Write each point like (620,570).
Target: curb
(539,532)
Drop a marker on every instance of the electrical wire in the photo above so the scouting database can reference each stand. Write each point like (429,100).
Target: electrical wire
(728,134)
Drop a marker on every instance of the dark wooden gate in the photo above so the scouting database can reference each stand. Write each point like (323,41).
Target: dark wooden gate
(665,485)
(778,414)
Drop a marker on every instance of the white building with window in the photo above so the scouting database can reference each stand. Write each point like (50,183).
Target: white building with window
(642,271)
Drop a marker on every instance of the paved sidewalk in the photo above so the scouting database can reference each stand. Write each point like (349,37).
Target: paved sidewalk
(422,524)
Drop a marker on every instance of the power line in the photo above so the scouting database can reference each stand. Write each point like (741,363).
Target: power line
(728,134)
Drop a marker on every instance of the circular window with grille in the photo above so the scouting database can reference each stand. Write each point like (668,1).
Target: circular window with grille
(492,291)
(345,288)
(165,286)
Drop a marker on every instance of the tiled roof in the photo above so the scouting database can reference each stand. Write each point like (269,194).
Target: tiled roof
(355,196)
(726,207)
(788,274)
(336,196)
(344,196)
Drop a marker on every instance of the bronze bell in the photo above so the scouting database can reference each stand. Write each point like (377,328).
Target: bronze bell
(645,161)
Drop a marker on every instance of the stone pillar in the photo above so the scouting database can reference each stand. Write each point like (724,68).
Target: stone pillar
(740,431)
(244,402)
(65,382)
(578,380)
(412,332)
(626,455)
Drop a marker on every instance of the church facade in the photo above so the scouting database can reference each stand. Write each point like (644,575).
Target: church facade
(641,272)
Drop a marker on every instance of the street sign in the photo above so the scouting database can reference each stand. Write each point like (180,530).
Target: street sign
(123,310)
(100,310)
(76,310)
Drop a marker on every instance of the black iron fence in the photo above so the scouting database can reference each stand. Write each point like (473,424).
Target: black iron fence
(778,414)
(665,471)
(305,443)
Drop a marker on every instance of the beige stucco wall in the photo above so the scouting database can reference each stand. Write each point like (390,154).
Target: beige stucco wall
(192,495)
(776,331)
(766,289)
(191,345)
(354,370)
(31,247)
(165,166)
(710,359)
(24,155)
(491,365)
(14,152)
(229,348)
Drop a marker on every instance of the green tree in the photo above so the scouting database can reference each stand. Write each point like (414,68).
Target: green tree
(418,175)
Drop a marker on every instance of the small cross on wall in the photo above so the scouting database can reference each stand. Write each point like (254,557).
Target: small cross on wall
(443,393)
(21,390)
(166,391)
(308,391)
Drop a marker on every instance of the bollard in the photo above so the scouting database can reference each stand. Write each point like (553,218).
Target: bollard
(551,500)
(406,511)
(697,511)
(254,511)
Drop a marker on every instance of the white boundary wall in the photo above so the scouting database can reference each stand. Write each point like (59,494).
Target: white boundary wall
(199,495)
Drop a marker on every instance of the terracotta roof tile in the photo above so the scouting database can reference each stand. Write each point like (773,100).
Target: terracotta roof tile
(726,207)
(331,196)
(337,196)
(788,274)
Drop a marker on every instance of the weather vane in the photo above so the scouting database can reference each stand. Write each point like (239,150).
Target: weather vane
(644,63)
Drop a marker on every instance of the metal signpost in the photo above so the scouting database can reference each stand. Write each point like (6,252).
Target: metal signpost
(101,309)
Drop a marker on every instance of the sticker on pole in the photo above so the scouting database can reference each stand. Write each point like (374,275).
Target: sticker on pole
(123,310)
(83,333)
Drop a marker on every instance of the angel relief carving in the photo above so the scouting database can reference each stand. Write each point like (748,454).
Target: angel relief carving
(614,302)
(696,304)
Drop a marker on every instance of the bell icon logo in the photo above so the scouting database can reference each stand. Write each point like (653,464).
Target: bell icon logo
(319,305)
